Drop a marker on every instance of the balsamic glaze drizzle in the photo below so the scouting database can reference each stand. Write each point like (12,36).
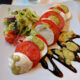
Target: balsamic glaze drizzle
(56,71)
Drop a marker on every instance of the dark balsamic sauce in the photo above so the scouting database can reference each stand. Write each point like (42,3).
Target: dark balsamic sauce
(74,37)
(56,71)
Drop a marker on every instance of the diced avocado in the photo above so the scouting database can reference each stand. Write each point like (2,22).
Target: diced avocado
(64,7)
(68,54)
(39,42)
(68,62)
(66,36)
(71,46)
(59,52)
(55,19)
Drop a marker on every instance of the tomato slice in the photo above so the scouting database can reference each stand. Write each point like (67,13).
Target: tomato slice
(19,39)
(10,37)
(50,13)
(42,38)
(61,9)
(53,27)
(58,9)
(31,50)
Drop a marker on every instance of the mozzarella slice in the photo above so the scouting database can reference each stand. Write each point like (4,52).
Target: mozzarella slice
(38,28)
(63,15)
(44,51)
(24,63)
(48,35)
(68,16)
(28,38)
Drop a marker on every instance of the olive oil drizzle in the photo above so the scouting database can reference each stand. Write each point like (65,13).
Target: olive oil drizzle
(56,71)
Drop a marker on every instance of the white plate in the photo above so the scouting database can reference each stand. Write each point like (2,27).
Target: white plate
(38,73)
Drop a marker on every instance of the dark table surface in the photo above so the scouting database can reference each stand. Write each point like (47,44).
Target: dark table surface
(5,1)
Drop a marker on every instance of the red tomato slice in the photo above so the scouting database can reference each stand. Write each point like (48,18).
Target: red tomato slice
(42,38)
(61,9)
(19,39)
(49,13)
(53,27)
(58,9)
(10,37)
(31,50)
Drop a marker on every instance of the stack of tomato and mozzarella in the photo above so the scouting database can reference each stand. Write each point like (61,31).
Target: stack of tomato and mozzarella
(28,53)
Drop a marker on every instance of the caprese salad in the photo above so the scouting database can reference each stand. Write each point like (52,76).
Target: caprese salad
(32,35)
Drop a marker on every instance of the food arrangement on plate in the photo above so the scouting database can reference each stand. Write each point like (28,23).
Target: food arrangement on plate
(34,35)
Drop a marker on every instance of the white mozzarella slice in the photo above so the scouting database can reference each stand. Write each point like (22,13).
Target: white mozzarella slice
(68,15)
(48,35)
(28,38)
(24,63)
(38,28)
(44,51)
(63,15)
